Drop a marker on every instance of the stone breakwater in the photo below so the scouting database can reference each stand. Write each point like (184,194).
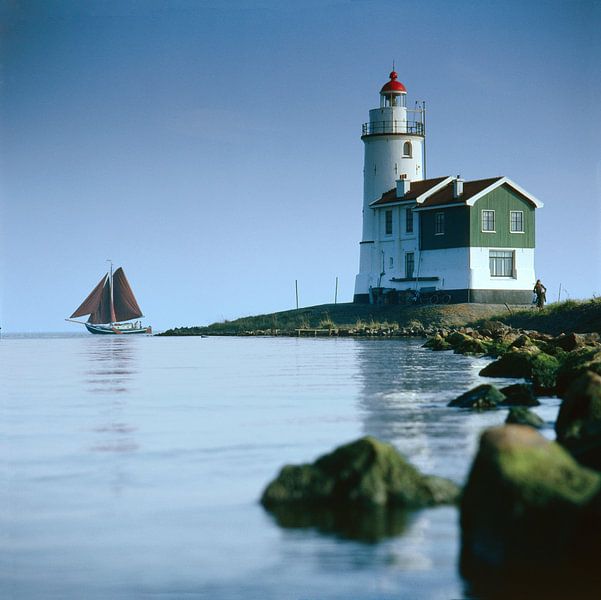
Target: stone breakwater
(530,511)
(531,508)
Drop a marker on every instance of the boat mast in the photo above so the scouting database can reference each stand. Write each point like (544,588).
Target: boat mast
(111,287)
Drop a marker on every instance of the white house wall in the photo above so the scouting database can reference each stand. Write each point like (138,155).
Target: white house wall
(524,274)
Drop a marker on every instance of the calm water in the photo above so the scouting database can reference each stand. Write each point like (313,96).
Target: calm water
(132,467)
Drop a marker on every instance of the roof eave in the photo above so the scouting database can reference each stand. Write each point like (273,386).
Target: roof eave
(423,197)
(471,201)
(439,206)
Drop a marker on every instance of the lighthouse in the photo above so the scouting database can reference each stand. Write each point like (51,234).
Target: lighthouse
(441,239)
(394,140)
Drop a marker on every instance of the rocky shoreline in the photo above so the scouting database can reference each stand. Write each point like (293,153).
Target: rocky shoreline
(530,511)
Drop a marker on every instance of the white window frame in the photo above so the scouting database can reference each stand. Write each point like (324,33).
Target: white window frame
(523,229)
(494,220)
(511,254)
(410,154)
(436,215)
(386,213)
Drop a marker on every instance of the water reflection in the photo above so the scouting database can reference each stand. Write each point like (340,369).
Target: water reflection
(361,525)
(403,399)
(112,364)
(112,368)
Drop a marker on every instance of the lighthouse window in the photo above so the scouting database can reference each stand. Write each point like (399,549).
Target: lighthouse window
(488,220)
(409,220)
(501,263)
(388,224)
(407,149)
(409,264)
(439,223)
(516,221)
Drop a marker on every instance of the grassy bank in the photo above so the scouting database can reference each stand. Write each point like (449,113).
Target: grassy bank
(562,317)
(348,317)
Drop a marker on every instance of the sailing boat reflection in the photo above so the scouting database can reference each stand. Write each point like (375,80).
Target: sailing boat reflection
(112,371)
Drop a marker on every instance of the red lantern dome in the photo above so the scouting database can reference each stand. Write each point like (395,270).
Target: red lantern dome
(393,85)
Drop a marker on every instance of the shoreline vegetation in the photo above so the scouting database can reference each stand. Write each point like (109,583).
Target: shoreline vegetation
(348,319)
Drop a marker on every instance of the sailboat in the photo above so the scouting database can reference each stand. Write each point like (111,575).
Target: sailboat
(110,304)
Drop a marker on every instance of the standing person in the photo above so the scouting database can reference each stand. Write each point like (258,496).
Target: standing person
(541,294)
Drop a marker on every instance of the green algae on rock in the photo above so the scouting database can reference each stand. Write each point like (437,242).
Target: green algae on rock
(365,473)
(520,415)
(482,397)
(578,425)
(528,509)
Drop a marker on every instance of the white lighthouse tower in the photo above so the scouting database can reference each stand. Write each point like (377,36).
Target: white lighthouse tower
(394,151)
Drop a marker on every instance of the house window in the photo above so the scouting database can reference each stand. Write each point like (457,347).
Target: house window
(391,262)
(488,220)
(501,263)
(388,224)
(409,220)
(439,223)
(516,221)
(409,264)
(407,149)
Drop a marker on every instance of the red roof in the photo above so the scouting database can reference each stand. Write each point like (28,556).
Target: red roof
(417,189)
(393,85)
(445,195)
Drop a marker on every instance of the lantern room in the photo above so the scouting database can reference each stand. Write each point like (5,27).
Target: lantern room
(393,92)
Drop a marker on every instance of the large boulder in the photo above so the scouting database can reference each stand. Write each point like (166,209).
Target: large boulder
(544,372)
(366,473)
(481,397)
(530,515)
(519,394)
(528,363)
(511,364)
(575,364)
(520,415)
(578,424)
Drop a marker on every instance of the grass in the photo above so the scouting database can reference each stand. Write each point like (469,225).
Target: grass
(348,316)
(582,316)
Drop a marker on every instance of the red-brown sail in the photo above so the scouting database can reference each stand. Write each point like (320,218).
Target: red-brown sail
(102,314)
(126,306)
(92,302)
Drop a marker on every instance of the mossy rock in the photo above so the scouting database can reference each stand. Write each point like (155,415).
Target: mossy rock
(472,346)
(520,415)
(528,509)
(544,372)
(365,473)
(577,363)
(519,394)
(437,343)
(456,338)
(512,364)
(578,425)
(482,397)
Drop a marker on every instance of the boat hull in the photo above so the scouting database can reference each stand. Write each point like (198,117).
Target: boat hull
(117,329)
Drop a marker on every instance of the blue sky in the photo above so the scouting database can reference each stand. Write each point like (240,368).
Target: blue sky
(213,148)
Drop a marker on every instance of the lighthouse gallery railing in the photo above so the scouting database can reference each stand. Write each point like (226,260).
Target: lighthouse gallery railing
(382,127)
